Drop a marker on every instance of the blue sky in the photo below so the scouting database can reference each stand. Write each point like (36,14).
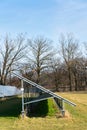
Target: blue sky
(48,18)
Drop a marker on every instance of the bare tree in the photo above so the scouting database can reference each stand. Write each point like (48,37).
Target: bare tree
(11,53)
(85,50)
(55,67)
(69,51)
(41,53)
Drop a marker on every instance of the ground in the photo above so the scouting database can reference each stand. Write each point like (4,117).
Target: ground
(75,119)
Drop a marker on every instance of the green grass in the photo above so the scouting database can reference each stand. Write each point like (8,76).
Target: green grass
(44,108)
(78,113)
(76,117)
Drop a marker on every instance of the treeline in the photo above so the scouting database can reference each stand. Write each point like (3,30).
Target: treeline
(61,67)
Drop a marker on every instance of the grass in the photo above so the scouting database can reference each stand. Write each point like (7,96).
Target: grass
(43,109)
(76,117)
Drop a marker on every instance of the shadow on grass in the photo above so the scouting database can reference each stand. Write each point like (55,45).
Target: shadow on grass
(10,107)
(39,109)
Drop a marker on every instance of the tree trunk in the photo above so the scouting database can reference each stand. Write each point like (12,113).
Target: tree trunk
(38,76)
(76,85)
(70,82)
(56,85)
(85,81)
(2,80)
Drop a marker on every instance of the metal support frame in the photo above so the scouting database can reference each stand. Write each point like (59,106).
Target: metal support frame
(60,104)
(63,109)
(36,100)
(58,99)
(22,90)
(44,89)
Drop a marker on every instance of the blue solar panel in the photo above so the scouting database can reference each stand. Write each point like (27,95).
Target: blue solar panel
(8,91)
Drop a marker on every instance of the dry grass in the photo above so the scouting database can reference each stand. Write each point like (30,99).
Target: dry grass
(75,119)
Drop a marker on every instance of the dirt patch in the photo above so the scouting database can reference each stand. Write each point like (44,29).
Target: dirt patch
(67,115)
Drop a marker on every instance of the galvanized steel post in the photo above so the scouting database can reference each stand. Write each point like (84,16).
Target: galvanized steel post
(22,90)
(63,110)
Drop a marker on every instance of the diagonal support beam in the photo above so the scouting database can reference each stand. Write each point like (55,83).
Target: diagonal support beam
(44,89)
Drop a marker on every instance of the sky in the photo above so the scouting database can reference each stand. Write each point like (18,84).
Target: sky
(48,18)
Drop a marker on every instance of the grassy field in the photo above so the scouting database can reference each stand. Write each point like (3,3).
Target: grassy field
(76,117)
